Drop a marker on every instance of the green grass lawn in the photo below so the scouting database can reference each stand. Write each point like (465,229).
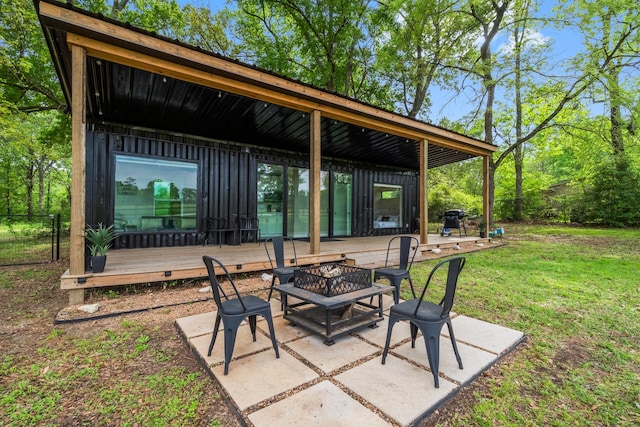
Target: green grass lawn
(574,292)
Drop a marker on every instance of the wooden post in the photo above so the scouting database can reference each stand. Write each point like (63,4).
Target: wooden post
(424,190)
(314,184)
(485,194)
(78,168)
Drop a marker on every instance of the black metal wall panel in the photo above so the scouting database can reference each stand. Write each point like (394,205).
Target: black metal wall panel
(227,182)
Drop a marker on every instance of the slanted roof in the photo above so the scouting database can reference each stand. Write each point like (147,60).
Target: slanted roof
(140,79)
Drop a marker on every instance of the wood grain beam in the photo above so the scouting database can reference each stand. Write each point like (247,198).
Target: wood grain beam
(78,166)
(424,189)
(314,182)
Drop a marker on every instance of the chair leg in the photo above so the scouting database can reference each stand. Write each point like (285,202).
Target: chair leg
(411,284)
(431,334)
(252,325)
(272,332)
(453,342)
(215,334)
(396,292)
(392,322)
(230,331)
(273,281)
(414,334)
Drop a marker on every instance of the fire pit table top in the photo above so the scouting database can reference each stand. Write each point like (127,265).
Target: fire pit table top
(336,301)
(325,315)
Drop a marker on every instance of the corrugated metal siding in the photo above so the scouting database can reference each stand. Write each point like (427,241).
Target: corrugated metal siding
(227,182)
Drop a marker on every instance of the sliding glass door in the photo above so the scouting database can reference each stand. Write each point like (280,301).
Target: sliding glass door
(297,202)
(342,200)
(270,199)
(335,202)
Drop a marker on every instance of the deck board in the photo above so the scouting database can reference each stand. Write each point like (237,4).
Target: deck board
(134,266)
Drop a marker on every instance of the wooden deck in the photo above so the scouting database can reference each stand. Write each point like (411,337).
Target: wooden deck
(134,266)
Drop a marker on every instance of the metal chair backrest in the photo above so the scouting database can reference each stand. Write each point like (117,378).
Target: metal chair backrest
(218,291)
(277,244)
(408,249)
(216,224)
(455,266)
(247,223)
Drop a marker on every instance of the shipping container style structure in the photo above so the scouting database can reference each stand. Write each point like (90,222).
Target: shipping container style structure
(167,136)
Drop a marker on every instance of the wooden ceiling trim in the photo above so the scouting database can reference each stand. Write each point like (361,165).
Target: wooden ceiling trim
(138,60)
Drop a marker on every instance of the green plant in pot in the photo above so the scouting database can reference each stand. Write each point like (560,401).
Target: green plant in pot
(99,240)
(482,227)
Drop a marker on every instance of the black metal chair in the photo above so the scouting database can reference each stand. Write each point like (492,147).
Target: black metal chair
(215,226)
(280,269)
(248,226)
(232,311)
(429,317)
(120,225)
(408,249)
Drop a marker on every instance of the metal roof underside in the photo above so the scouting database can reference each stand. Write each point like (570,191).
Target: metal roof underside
(123,95)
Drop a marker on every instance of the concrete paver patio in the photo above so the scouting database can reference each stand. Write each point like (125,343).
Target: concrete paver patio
(312,384)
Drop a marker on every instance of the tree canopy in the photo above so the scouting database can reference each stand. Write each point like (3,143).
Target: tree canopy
(558,121)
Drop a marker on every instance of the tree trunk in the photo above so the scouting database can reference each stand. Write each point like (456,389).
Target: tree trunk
(30,183)
(518,153)
(490,26)
(615,115)
(41,174)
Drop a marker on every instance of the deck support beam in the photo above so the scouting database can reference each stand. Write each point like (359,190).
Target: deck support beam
(424,189)
(485,195)
(314,183)
(78,166)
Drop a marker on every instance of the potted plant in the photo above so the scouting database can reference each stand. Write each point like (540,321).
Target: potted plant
(99,239)
(482,227)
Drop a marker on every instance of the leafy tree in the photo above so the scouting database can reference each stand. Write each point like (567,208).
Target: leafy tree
(420,40)
(320,43)
(33,121)
(611,32)
(160,16)
(612,199)
(206,30)
(28,81)
(611,58)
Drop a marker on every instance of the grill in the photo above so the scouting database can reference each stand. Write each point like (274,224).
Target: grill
(453,218)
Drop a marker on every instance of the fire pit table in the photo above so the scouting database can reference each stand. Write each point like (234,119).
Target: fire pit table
(331,304)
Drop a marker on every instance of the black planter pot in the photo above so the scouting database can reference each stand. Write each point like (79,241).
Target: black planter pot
(482,234)
(98,263)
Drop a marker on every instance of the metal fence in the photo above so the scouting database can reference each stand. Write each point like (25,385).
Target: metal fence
(31,239)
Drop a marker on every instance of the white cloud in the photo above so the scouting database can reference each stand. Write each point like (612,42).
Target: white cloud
(531,39)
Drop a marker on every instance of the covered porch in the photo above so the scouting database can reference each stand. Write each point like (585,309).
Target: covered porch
(223,126)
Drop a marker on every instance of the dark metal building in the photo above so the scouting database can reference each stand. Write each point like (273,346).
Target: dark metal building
(166,136)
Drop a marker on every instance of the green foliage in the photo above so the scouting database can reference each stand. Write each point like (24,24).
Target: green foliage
(321,43)
(159,16)
(206,30)
(417,43)
(613,198)
(100,238)
(456,186)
